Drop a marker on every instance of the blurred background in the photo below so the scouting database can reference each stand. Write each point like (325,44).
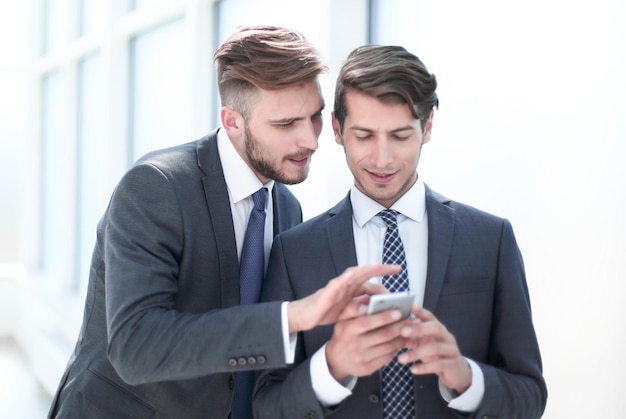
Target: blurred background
(531,127)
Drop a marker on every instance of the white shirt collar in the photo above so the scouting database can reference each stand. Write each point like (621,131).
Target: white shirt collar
(412,204)
(240,179)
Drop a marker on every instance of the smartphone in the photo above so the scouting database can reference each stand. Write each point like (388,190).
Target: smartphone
(395,300)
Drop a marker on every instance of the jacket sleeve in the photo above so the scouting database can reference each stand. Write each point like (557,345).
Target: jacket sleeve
(284,392)
(514,385)
(149,340)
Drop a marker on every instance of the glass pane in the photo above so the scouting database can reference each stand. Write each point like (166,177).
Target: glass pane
(92,195)
(52,33)
(159,100)
(394,21)
(14,34)
(93,15)
(137,4)
(236,13)
(57,182)
(13,134)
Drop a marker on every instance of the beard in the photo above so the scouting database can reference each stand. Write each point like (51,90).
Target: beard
(261,163)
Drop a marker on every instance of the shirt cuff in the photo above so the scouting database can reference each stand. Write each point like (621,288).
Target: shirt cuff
(289,340)
(471,399)
(327,390)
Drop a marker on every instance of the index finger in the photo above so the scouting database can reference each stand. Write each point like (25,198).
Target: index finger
(350,283)
(357,275)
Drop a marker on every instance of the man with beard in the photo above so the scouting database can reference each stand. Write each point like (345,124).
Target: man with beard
(166,333)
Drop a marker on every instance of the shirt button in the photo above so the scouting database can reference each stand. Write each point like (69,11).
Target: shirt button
(231,383)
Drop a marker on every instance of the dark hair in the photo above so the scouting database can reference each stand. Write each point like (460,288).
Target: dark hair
(263,57)
(389,73)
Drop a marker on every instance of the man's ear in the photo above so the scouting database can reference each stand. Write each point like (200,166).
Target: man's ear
(336,129)
(232,121)
(428,127)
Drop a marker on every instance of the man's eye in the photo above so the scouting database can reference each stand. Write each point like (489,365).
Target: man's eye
(285,125)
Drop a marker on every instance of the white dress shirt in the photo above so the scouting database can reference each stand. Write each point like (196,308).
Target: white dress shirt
(241,183)
(369,234)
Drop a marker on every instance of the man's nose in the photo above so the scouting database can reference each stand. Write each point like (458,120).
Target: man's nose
(309,136)
(381,155)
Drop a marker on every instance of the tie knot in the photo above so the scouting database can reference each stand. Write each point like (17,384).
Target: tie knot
(389,216)
(259,198)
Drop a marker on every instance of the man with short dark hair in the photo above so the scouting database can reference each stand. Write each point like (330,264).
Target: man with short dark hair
(470,349)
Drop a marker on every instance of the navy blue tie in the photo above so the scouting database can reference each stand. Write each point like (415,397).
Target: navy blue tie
(252,262)
(251,271)
(398,394)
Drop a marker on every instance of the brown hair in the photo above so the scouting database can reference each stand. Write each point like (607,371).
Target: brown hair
(389,73)
(263,57)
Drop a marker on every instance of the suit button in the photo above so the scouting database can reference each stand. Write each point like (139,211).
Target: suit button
(261,359)
(251,360)
(242,361)
(373,398)
(231,383)
(232,362)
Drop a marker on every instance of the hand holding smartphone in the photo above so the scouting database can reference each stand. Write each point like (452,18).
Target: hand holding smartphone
(402,301)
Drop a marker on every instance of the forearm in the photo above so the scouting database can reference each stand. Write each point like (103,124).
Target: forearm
(510,395)
(514,383)
(163,345)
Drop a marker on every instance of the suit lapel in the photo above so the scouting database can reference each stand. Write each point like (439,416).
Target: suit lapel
(340,236)
(277,198)
(440,234)
(218,203)
(286,214)
(342,252)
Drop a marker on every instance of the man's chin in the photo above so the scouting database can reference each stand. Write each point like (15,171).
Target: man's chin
(295,178)
(292,181)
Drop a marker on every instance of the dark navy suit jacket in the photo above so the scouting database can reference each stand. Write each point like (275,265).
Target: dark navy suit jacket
(475,286)
(162,332)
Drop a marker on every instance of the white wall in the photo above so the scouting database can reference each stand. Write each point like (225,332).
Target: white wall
(532,128)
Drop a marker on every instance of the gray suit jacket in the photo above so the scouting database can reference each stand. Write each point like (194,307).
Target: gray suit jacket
(475,285)
(162,332)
